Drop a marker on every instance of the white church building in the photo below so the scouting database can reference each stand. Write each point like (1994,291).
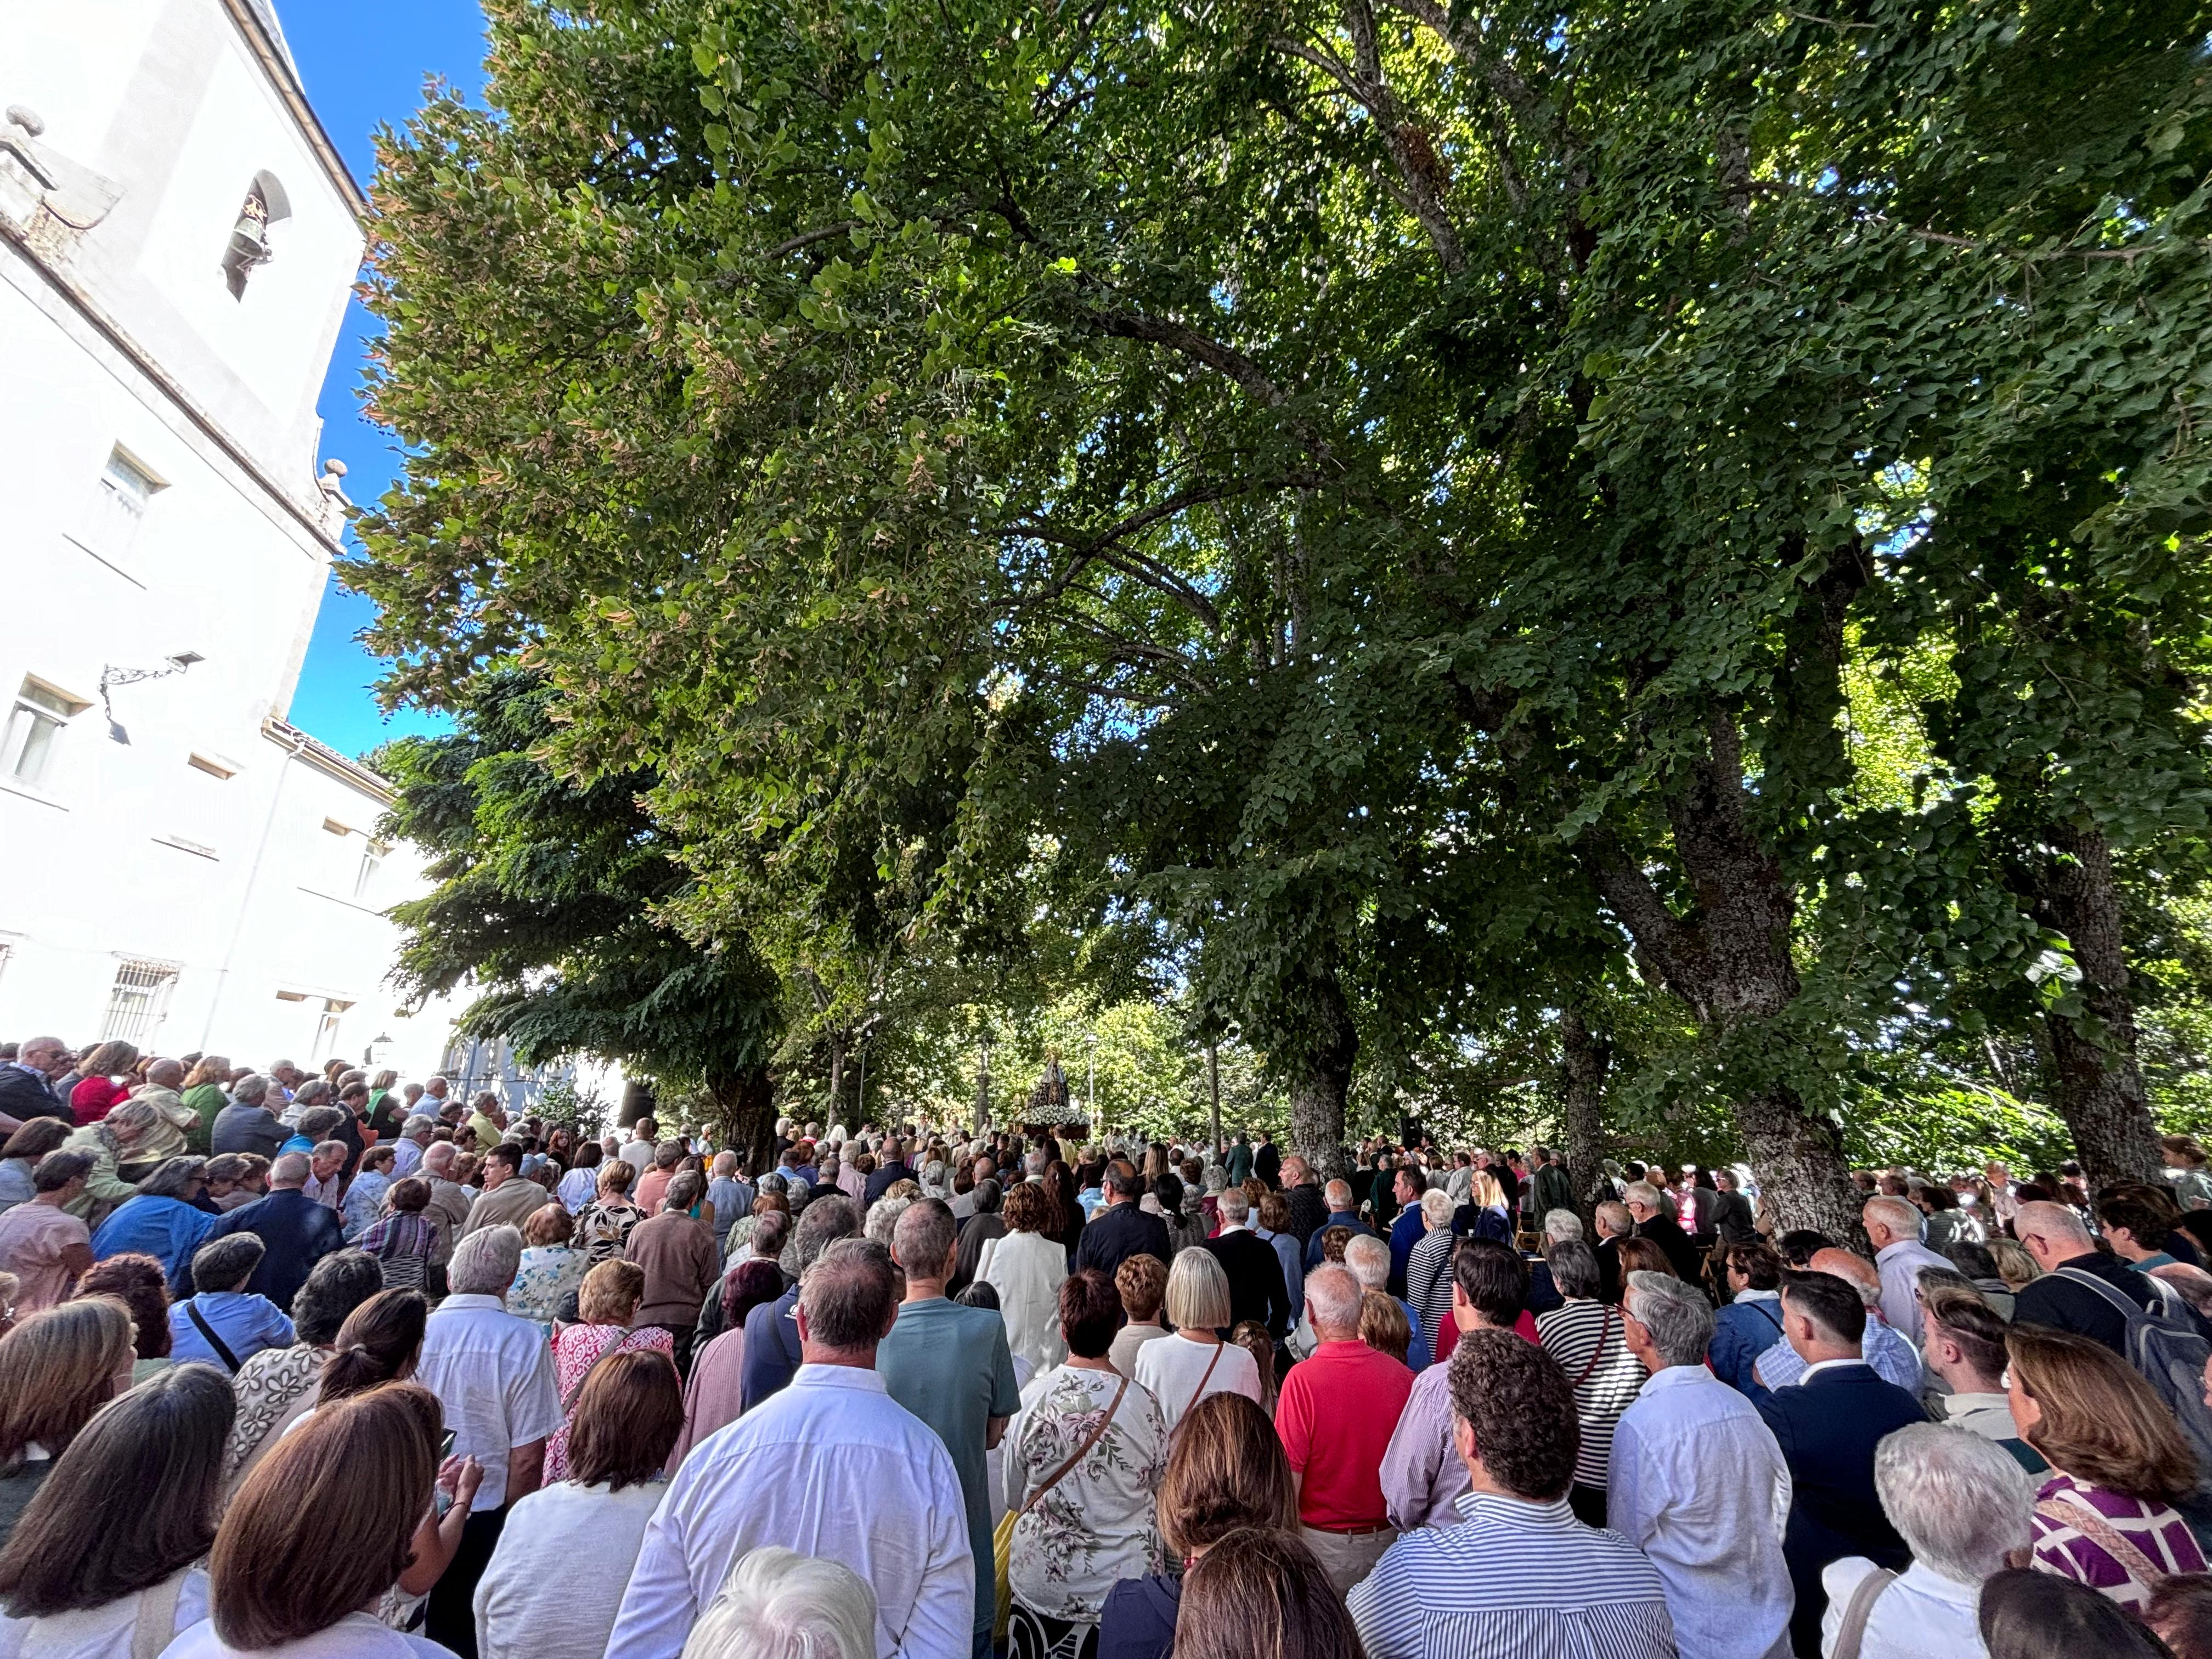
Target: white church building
(178,864)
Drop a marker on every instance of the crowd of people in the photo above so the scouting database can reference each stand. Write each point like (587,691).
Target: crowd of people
(317,1364)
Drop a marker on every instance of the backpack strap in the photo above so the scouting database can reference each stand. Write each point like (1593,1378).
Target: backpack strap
(1850,1635)
(2129,1308)
(2126,1554)
(221,1348)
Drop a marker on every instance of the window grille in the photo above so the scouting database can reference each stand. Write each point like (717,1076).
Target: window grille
(138,1002)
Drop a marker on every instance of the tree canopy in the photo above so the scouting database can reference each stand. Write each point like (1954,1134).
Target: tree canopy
(1670,529)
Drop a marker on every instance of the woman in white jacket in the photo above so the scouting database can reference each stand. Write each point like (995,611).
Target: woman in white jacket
(1025,1268)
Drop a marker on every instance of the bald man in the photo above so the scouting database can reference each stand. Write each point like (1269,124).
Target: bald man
(2064,1296)
(1893,1227)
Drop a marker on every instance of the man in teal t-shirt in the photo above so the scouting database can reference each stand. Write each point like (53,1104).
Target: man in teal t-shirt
(949,1366)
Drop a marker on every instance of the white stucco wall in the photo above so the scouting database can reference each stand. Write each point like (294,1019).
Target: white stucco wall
(198,832)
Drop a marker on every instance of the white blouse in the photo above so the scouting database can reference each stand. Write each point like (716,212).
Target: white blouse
(100,1632)
(357,1636)
(1099,1523)
(1026,1270)
(1173,1370)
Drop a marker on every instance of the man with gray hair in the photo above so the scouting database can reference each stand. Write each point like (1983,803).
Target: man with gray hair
(1648,1208)
(414,1141)
(1337,1195)
(248,1125)
(1338,1411)
(2081,1287)
(832,1466)
(493,1375)
(1698,1482)
(1961,1503)
(26,1088)
(447,1212)
(1893,1227)
(773,1351)
(1256,1289)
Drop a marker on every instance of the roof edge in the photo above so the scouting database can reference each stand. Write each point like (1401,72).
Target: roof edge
(277,63)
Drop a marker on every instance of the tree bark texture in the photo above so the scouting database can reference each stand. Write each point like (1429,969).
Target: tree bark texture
(744,1106)
(1322,1083)
(2096,1082)
(1729,959)
(1584,1059)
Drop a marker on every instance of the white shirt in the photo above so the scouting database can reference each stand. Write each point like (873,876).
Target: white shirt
(1698,1484)
(532,1602)
(357,1636)
(831,1466)
(100,1632)
(1171,1370)
(1921,1615)
(1900,1264)
(638,1154)
(493,1374)
(1026,1270)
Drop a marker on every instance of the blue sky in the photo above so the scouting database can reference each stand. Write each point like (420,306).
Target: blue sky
(363,61)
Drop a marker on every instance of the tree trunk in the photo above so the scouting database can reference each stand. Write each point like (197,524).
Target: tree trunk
(745,1110)
(2096,1083)
(837,1076)
(1804,1180)
(1584,1059)
(1322,1083)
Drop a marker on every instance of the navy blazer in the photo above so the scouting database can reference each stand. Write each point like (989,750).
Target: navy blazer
(1119,1231)
(771,1356)
(1828,1426)
(295,1233)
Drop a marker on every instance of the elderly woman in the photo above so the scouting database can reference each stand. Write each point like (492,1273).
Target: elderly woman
(205,1092)
(772,1198)
(715,1394)
(779,1604)
(104,1072)
(1961,1503)
(1083,1461)
(1026,1268)
(551,1270)
(113,1142)
(164,1218)
(983,1225)
(2106,1515)
(362,1204)
(603,1225)
(1182,1370)
(607,1304)
(1428,1269)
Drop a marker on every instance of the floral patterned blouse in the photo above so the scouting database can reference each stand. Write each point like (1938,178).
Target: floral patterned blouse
(1100,1523)
(576,1349)
(266,1386)
(548,1273)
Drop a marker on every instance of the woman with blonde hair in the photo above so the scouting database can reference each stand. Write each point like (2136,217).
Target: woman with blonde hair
(1226,1471)
(2106,1515)
(605,1306)
(116,1140)
(1182,1370)
(1026,1268)
(205,1091)
(2014,1265)
(57,1369)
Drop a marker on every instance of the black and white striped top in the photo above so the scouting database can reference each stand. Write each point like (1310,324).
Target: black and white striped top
(1588,1340)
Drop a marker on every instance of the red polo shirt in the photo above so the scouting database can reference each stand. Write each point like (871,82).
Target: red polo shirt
(1335,1418)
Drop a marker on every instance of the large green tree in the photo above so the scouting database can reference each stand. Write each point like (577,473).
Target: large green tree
(1366,490)
(546,905)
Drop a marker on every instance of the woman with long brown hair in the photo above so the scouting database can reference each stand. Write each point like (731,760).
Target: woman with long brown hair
(105,1550)
(57,1369)
(1260,1593)
(1226,1471)
(2105,1516)
(321,1531)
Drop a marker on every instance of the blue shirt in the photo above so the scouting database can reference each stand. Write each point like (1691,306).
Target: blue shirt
(1895,1360)
(1742,1331)
(246,1323)
(1341,1218)
(1286,1246)
(950,1366)
(168,1228)
(1514,1576)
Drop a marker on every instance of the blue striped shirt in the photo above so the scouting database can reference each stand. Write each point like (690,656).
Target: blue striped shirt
(1516,1578)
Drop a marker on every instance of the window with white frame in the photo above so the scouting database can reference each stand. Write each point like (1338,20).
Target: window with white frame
(36,723)
(372,861)
(138,1002)
(120,503)
(326,1028)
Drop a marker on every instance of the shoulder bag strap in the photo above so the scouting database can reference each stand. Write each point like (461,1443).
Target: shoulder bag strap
(1851,1633)
(155,1626)
(1081,1451)
(1604,1335)
(221,1348)
(568,1400)
(2127,1306)
(1768,1315)
(1198,1393)
(2126,1554)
